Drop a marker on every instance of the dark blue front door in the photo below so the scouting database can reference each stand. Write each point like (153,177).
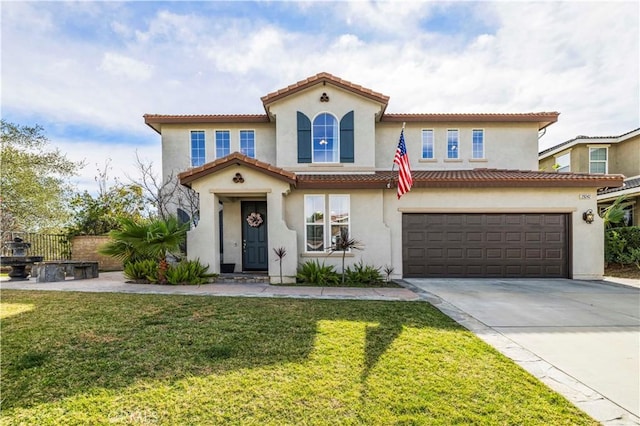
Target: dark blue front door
(255,254)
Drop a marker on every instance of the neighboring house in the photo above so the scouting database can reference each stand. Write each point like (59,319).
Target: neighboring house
(602,155)
(319,161)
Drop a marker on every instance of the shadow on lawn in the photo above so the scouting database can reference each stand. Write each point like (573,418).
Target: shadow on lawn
(74,342)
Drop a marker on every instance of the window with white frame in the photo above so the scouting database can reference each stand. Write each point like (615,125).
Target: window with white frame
(427,144)
(197,148)
(453,151)
(325,139)
(318,219)
(477,144)
(598,160)
(223,143)
(563,163)
(248,143)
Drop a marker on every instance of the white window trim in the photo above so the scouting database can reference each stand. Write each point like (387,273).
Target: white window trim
(240,141)
(326,223)
(215,141)
(564,153)
(459,157)
(433,144)
(606,162)
(191,146)
(313,151)
(484,144)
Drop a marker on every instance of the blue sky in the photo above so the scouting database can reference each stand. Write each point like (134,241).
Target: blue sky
(88,71)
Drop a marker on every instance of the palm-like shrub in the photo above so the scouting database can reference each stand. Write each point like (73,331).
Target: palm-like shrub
(188,272)
(142,271)
(149,239)
(360,273)
(345,243)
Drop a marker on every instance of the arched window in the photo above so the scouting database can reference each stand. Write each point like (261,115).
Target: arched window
(325,139)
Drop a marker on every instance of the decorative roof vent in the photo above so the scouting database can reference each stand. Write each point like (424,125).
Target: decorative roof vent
(324,97)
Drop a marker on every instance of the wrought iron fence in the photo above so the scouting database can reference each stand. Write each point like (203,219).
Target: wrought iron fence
(49,246)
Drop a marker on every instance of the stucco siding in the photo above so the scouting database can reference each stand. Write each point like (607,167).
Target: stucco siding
(340,103)
(625,157)
(512,146)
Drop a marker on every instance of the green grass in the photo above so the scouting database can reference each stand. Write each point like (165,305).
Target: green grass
(78,359)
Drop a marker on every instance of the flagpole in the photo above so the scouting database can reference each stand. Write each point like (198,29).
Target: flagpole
(393,165)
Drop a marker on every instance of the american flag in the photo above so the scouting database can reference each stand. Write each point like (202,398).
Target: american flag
(405,181)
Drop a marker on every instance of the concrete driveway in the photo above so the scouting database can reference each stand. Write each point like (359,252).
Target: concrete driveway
(582,338)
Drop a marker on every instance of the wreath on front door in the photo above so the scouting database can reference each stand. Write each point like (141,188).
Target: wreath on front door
(255,220)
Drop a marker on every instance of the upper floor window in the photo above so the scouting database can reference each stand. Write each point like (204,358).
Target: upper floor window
(197,148)
(563,163)
(598,160)
(477,143)
(248,143)
(325,139)
(223,143)
(452,144)
(427,144)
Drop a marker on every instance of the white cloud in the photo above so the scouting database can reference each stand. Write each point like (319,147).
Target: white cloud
(578,58)
(122,66)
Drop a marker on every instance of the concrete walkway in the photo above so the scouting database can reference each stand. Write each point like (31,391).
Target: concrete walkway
(581,338)
(114,282)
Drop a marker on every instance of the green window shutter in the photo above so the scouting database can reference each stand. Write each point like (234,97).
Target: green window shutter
(347,154)
(304,138)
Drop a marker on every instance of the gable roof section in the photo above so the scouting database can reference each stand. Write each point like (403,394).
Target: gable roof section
(587,140)
(325,77)
(544,119)
(630,186)
(476,178)
(235,159)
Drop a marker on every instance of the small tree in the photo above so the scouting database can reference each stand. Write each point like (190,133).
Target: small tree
(344,244)
(614,214)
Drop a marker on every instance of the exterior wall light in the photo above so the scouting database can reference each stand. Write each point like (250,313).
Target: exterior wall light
(588,216)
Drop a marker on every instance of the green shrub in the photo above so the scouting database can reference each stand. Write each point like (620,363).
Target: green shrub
(188,272)
(145,271)
(621,245)
(312,272)
(363,274)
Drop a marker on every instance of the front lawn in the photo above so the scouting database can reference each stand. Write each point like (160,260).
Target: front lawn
(80,358)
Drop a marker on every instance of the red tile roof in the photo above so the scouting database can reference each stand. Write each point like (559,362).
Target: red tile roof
(235,159)
(155,121)
(460,179)
(421,178)
(543,118)
(325,77)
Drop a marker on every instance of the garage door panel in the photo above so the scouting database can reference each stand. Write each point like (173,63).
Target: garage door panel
(486,245)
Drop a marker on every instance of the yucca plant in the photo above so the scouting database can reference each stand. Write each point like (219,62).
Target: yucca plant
(344,243)
(188,272)
(280,252)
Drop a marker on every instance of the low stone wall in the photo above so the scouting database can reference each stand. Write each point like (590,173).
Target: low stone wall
(85,248)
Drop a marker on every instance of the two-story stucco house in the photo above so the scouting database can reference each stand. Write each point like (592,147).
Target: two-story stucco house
(320,161)
(602,155)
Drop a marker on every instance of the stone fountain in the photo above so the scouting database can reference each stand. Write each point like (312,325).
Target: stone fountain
(18,261)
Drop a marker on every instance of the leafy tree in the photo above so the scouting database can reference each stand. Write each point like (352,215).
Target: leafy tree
(100,214)
(34,180)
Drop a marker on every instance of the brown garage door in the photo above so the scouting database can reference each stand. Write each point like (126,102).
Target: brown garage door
(485,245)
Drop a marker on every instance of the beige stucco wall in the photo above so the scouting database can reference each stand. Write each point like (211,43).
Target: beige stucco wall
(203,240)
(176,143)
(340,103)
(367,226)
(507,146)
(625,157)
